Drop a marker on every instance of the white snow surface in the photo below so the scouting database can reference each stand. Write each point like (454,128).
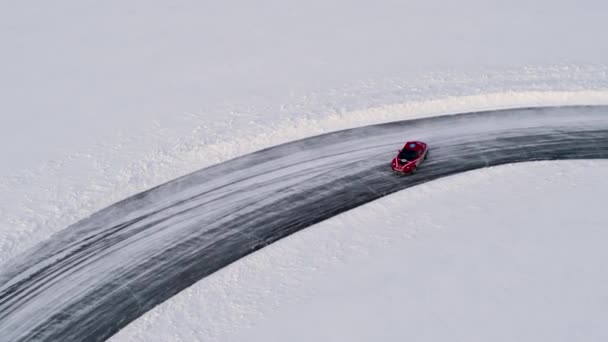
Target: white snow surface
(509,253)
(102,100)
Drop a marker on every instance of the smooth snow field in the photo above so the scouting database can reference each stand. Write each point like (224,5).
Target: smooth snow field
(104,100)
(509,253)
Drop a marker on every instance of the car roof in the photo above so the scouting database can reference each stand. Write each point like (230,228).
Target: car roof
(412,145)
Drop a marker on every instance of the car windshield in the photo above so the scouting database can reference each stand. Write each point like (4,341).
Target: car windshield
(407,154)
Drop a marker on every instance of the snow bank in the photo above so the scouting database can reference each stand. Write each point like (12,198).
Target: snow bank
(37,203)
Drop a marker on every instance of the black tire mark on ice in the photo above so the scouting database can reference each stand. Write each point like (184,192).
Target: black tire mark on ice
(96,276)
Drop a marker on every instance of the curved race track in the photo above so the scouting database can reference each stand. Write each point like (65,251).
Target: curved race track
(93,278)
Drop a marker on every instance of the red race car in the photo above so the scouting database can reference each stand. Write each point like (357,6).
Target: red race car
(410,157)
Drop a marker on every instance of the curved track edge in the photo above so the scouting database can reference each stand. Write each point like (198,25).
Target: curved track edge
(94,277)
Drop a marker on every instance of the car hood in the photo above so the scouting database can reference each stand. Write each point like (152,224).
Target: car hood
(399,165)
(403,162)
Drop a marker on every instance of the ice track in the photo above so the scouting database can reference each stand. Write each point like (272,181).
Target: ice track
(96,276)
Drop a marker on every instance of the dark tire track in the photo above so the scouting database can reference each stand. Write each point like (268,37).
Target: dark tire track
(94,277)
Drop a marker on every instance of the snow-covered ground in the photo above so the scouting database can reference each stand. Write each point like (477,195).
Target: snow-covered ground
(101,100)
(510,253)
